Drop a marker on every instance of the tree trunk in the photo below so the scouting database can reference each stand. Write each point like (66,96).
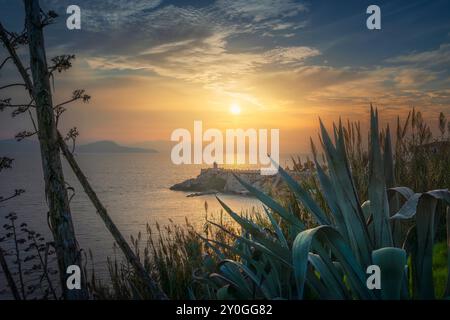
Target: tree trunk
(60,218)
(151,284)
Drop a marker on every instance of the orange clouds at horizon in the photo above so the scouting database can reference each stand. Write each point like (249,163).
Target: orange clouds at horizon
(135,108)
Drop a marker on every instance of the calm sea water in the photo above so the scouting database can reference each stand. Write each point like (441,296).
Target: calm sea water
(133,187)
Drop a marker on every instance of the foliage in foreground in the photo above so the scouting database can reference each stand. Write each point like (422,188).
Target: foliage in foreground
(324,250)
(394,229)
(317,242)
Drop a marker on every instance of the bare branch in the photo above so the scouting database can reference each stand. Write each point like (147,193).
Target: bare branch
(20,108)
(13,85)
(17,106)
(4,61)
(17,193)
(24,134)
(76,95)
(12,52)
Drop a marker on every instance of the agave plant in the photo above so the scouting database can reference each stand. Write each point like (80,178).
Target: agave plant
(393,229)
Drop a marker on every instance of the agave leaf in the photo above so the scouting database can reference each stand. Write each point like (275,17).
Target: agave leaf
(274,247)
(330,197)
(388,160)
(303,196)
(222,293)
(243,246)
(268,270)
(408,210)
(398,227)
(278,278)
(232,275)
(392,262)
(440,194)
(405,192)
(284,257)
(272,204)
(216,250)
(346,196)
(277,228)
(317,285)
(426,209)
(191,294)
(447,288)
(377,188)
(248,225)
(423,207)
(366,210)
(251,275)
(330,276)
(219,279)
(329,235)
(234,249)
(256,245)
(405,292)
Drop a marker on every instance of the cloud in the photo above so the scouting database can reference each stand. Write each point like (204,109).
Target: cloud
(119,25)
(242,48)
(197,44)
(259,10)
(106,14)
(290,55)
(208,62)
(431,57)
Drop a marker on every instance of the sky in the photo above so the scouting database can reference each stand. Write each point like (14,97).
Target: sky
(152,66)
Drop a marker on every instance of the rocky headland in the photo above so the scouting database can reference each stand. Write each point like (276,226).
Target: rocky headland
(215,180)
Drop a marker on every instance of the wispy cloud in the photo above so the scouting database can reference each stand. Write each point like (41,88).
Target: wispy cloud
(197,44)
(440,55)
(260,10)
(233,46)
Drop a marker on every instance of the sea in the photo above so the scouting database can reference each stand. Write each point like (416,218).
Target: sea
(134,188)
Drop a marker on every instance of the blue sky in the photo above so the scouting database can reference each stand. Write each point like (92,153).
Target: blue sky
(315,58)
(337,28)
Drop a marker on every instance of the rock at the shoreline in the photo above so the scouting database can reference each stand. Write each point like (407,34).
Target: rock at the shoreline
(200,184)
(223,180)
(202,193)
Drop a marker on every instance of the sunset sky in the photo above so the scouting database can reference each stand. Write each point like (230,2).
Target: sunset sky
(152,66)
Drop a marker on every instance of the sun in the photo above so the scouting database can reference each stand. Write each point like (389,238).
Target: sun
(235,109)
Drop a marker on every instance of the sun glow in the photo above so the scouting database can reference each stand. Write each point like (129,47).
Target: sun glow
(235,109)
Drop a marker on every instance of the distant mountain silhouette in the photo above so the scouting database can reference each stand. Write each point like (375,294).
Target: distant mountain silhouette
(110,147)
(162,146)
(26,146)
